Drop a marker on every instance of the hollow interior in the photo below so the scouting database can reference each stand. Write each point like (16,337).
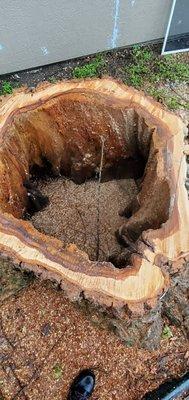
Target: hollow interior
(102,146)
(88,213)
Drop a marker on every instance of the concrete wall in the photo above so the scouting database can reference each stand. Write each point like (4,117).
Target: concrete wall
(39,32)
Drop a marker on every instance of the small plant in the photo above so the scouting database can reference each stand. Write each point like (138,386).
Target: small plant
(135,75)
(129,342)
(90,69)
(164,97)
(139,67)
(166,333)
(186,106)
(6,88)
(141,54)
(52,79)
(169,69)
(57,371)
(158,94)
(147,66)
(173,103)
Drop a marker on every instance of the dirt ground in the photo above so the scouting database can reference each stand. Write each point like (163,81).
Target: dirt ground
(45,340)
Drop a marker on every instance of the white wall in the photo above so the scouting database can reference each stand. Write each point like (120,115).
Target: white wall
(39,32)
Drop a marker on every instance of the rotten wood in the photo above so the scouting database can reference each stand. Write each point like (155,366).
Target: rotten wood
(65,123)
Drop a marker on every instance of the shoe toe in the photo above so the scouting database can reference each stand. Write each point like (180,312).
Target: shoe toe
(82,386)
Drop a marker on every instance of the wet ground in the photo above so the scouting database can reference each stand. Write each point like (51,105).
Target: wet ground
(45,339)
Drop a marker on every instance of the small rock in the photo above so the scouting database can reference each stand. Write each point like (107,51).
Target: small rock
(34,71)
(16,77)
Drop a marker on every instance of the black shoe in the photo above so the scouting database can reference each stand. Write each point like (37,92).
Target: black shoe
(82,386)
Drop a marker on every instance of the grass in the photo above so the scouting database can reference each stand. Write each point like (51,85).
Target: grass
(89,70)
(6,88)
(145,65)
(147,69)
(165,98)
(168,68)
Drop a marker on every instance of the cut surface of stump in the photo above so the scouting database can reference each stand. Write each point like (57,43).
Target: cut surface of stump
(83,129)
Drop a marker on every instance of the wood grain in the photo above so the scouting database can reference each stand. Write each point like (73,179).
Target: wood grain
(63,123)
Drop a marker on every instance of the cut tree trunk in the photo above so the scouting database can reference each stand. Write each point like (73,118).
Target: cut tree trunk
(65,124)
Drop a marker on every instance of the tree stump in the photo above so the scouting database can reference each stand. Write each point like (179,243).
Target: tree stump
(65,123)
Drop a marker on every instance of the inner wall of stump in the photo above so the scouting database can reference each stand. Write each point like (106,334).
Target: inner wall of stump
(67,135)
(88,214)
(100,176)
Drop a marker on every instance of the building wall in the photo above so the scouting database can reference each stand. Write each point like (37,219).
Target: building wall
(39,32)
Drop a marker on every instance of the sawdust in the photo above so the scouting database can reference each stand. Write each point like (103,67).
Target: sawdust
(83,214)
(43,330)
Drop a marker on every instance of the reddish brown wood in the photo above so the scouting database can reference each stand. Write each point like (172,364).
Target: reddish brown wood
(65,123)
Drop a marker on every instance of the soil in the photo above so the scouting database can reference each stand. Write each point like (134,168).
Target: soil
(46,340)
(85,214)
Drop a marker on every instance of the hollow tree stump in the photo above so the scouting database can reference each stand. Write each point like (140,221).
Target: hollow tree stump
(65,123)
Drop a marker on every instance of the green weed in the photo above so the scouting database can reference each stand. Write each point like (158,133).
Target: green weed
(166,333)
(165,98)
(129,342)
(90,69)
(169,69)
(147,69)
(173,103)
(141,54)
(57,371)
(6,88)
(139,67)
(147,66)
(52,79)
